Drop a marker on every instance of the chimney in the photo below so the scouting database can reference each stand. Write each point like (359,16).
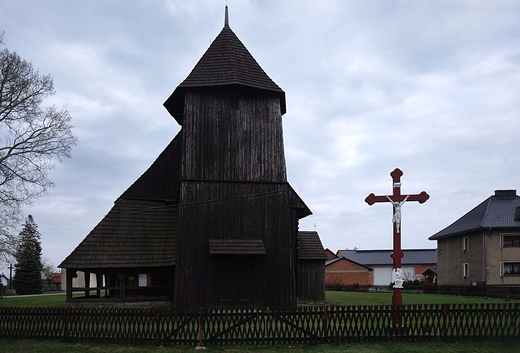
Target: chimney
(505,193)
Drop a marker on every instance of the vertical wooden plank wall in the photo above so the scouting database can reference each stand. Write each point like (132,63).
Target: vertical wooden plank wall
(234,186)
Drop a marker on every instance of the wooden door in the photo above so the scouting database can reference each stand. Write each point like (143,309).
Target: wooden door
(236,282)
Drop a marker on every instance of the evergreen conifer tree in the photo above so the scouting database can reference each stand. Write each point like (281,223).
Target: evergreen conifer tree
(27,278)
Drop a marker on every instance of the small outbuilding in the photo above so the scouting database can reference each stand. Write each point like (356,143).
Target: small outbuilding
(341,272)
(310,267)
(414,263)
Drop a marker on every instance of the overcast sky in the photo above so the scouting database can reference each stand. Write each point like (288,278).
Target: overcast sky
(430,87)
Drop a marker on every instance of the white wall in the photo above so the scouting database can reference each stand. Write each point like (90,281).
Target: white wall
(383,274)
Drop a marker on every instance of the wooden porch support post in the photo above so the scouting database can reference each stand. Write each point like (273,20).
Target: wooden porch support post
(87,284)
(107,284)
(99,283)
(70,274)
(122,278)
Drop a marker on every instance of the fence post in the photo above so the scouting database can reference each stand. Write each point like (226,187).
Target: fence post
(444,321)
(325,325)
(66,325)
(201,331)
(157,327)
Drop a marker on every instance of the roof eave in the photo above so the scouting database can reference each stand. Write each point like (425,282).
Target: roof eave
(175,102)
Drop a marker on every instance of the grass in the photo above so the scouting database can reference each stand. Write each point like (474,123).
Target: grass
(478,346)
(40,301)
(331,298)
(364,298)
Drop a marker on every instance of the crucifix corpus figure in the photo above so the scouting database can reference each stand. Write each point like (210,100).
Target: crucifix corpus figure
(397,200)
(397,212)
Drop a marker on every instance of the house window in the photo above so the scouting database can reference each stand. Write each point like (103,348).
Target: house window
(510,240)
(465,270)
(509,268)
(465,243)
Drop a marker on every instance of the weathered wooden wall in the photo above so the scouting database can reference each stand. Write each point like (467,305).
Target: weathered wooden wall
(311,280)
(236,211)
(232,136)
(234,186)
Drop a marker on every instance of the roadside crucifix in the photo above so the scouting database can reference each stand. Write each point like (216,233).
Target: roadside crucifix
(397,200)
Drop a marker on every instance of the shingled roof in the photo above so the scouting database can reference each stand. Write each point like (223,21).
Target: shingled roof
(497,211)
(135,233)
(162,179)
(310,247)
(227,62)
(140,230)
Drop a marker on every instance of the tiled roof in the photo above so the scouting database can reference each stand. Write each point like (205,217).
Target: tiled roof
(227,62)
(329,262)
(382,257)
(497,211)
(135,233)
(310,247)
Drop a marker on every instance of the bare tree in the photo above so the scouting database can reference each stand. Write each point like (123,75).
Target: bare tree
(48,271)
(32,137)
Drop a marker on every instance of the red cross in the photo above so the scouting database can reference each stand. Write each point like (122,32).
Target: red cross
(398,198)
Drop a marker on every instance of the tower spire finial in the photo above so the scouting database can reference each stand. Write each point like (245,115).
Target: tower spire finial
(226,19)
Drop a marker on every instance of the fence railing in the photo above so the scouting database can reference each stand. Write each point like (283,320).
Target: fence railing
(480,290)
(304,325)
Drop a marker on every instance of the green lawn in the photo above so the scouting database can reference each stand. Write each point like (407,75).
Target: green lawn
(364,298)
(40,301)
(331,298)
(478,346)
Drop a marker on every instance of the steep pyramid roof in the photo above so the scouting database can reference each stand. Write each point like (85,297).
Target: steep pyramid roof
(227,62)
(497,211)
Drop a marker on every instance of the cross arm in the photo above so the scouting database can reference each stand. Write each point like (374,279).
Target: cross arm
(372,199)
(421,197)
